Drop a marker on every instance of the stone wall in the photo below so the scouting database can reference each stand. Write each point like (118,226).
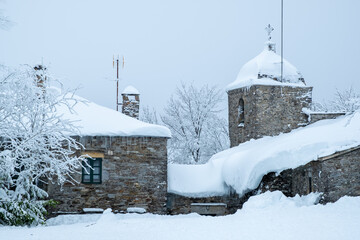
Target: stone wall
(177,204)
(134,174)
(314,117)
(268,111)
(335,176)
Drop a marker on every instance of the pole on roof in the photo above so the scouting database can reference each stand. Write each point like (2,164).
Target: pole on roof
(117,77)
(117,84)
(282,38)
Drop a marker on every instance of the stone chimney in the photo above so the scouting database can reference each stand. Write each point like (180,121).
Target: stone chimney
(131,102)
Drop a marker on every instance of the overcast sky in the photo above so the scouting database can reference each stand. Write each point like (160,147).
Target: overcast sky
(165,42)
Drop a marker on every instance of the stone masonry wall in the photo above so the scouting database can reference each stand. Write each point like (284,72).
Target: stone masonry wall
(134,174)
(314,117)
(268,111)
(177,204)
(335,176)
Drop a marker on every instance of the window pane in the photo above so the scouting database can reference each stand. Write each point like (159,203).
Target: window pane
(86,178)
(96,170)
(96,178)
(96,163)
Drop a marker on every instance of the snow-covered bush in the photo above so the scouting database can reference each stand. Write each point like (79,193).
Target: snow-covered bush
(23,212)
(35,143)
(192,115)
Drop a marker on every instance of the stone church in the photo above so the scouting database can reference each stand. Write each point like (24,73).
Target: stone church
(262,102)
(268,99)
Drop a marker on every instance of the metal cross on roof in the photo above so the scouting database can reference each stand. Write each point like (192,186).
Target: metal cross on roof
(269,29)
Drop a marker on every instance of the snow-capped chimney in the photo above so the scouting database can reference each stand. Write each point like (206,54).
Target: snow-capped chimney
(131,102)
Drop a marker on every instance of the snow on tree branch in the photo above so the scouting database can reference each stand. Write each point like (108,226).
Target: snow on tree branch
(344,101)
(197,130)
(35,140)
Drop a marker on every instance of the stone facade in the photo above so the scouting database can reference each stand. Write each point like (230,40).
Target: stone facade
(261,110)
(134,174)
(335,176)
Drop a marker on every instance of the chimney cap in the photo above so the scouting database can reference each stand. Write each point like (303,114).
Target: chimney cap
(130,90)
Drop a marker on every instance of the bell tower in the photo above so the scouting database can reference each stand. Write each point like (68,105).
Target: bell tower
(262,101)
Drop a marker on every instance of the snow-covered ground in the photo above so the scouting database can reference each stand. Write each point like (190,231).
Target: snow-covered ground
(267,216)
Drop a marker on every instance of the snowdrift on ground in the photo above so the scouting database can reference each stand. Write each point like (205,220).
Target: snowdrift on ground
(267,216)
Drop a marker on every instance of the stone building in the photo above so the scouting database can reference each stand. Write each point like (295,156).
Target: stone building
(263,102)
(334,176)
(128,160)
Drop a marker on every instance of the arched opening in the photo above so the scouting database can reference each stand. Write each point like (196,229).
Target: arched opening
(241,113)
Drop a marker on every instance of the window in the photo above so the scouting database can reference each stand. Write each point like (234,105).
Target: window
(93,174)
(241,114)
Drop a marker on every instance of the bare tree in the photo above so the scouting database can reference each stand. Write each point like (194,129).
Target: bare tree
(197,130)
(149,115)
(344,101)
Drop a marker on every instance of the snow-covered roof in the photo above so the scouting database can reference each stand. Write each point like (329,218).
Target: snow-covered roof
(95,120)
(130,90)
(265,69)
(243,167)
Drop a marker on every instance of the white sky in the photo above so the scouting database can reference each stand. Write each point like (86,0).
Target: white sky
(166,42)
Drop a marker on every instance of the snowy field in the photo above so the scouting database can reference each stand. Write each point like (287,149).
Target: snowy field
(266,216)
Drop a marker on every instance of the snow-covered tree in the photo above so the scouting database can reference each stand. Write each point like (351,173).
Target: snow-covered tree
(198,132)
(35,144)
(344,101)
(149,115)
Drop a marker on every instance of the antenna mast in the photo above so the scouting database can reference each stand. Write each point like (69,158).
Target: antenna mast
(282,38)
(117,78)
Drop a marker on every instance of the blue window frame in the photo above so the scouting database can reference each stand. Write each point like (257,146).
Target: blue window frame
(92,174)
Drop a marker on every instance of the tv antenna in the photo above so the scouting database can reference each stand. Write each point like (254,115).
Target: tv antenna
(117,77)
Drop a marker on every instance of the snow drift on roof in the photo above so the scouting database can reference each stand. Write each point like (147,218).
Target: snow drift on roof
(95,120)
(243,167)
(130,90)
(263,69)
